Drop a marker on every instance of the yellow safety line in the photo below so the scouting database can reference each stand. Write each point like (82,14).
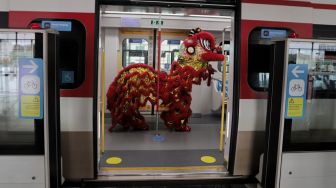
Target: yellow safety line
(103,103)
(162,168)
(223,106)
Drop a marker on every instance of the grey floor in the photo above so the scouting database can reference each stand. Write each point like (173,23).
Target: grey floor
(204,134)
(162,158)
(176,149)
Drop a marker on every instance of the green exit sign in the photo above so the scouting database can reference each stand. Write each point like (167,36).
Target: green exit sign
(156,22)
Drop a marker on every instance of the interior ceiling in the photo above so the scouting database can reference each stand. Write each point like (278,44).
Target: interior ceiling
(179,11)
(175,18)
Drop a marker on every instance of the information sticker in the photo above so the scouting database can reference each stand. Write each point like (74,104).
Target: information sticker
(31,90)
(296,90)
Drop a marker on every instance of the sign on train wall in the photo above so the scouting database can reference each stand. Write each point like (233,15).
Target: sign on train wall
(31,88)
(296,90)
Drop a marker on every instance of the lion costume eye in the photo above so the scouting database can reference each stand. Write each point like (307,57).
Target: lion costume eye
(191,50)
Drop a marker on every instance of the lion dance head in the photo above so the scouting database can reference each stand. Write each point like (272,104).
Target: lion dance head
(198,49)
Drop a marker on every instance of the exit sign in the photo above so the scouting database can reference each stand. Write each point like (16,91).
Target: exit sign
(156,22)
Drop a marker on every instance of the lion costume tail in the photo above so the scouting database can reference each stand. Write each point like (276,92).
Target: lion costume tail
(133,88)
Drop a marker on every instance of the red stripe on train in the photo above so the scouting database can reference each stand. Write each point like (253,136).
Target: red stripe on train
(21,19)
(324,6)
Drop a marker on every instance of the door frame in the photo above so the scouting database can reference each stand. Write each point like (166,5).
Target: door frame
(234,5)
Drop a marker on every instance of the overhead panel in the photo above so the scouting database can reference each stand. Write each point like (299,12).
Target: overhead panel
(165,18)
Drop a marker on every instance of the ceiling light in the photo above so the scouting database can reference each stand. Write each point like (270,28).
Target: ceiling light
(143,13)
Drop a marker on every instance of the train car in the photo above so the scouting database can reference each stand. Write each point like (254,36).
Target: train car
(76,76)
(98,39)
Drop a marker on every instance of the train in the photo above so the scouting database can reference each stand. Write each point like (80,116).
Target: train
(106,36)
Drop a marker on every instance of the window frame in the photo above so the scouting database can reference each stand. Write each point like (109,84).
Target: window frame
(124,51)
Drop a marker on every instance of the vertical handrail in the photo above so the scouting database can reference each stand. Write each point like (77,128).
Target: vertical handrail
(221,141)
(103,102)
(158,77)
(223,107)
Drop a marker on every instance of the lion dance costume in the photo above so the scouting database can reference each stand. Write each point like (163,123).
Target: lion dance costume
(136,84)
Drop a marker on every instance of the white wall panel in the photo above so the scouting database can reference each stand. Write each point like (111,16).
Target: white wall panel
(4,5)
(53,5)
(201,99)
(111,45)
(324,1)
(308,170)
(21,185)
(277,13)
(76,114)
(323,16)
(252,114)
(21,170)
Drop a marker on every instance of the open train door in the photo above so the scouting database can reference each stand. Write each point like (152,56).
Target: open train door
(29,111)
(300,127)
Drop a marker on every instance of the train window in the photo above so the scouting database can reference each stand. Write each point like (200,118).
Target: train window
(169,53)
(321,60)
(72,35)
(317,127)
(227,59)
(72,56)
(134,50)
(260,46)
(15,131)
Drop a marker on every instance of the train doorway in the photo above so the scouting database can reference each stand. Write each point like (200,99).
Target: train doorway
(149,43)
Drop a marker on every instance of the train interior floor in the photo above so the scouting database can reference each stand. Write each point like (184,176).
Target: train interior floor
(131,151)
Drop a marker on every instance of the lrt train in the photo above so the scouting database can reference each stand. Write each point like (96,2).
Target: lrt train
(102,37)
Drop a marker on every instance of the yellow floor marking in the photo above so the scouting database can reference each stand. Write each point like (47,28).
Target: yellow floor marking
(208,159)
(113,160)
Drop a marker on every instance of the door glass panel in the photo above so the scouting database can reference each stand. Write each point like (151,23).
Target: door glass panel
(135,50)
(13,46)
(319,122)
(169,53)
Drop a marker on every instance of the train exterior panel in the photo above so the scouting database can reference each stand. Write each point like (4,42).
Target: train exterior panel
(76,104)
(301,17)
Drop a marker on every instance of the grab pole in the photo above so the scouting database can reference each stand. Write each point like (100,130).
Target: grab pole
(221,141)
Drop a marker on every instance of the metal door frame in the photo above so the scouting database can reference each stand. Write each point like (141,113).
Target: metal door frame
(234,5)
